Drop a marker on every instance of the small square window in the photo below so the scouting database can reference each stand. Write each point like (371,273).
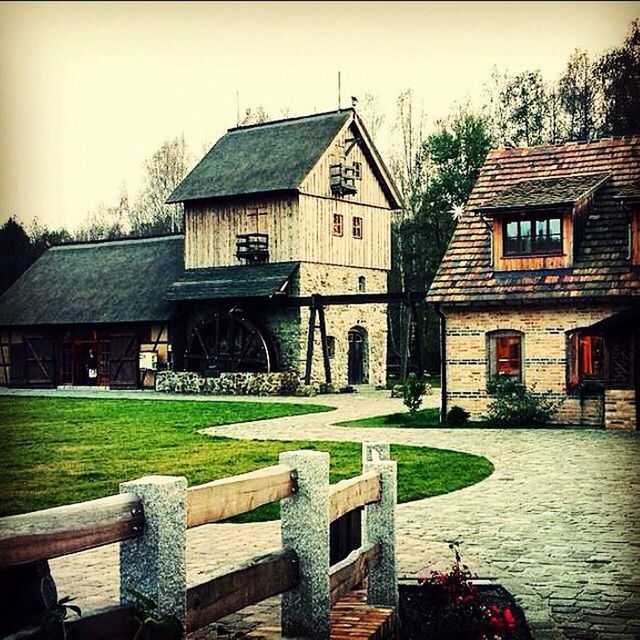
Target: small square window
(357,171)
(338,225)
(331,346)
(357,228)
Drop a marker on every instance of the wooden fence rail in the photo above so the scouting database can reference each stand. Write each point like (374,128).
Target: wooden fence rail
(169,508)
(261,578)
(62,530)
(229,497)
(351,572)
(347,495)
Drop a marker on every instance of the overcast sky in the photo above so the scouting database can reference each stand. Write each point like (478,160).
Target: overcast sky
(89,90)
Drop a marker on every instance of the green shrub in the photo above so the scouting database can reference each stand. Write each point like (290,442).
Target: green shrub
(457,416)
(281,383)
(413,390)
(516,406)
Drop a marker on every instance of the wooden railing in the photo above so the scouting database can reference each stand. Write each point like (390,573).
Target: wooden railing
(172,508)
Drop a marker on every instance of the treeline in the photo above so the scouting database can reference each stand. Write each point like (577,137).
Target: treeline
(435,166)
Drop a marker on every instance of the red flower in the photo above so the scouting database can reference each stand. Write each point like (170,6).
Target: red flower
(495,624)
(508,618)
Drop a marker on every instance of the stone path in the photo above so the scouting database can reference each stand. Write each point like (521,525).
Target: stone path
(558,523)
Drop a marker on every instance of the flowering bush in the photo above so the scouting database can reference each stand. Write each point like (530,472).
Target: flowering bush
(517,406)
(457,610)
(236,384)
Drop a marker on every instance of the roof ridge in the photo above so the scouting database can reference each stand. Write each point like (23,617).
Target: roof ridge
(78,244)
(634,137)
(293,119)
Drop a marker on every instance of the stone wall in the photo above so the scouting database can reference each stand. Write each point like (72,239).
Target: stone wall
(330,279)
(544,351)
(620,409)
(284,328)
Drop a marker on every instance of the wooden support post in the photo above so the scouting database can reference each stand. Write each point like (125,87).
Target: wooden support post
(325,346)
(310,337)
(415,352)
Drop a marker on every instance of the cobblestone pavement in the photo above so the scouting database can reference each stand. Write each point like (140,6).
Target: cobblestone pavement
(558,522)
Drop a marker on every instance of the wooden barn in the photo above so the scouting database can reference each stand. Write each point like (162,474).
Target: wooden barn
(283,266)
(104,299)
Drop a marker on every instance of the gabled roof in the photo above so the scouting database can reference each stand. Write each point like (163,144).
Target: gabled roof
(534,193)
(238,281)
(601,266)
(103,282)
(273,156)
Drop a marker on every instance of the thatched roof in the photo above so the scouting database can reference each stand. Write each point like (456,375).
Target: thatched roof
(103,282)
(240,281)
(273,156)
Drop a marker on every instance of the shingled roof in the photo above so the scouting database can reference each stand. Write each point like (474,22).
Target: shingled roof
(238,281)
(544,192)
(273,156)
(104,282)
(601,267)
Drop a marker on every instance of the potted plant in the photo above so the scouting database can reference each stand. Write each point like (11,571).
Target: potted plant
(454,605)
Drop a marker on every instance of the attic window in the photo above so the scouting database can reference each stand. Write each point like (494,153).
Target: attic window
(532,235)
(357,171)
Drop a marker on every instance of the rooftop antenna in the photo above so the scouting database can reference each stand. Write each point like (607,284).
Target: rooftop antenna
(339,99)
(237,108)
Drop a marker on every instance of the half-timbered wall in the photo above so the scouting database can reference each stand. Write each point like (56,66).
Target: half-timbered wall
(211,229)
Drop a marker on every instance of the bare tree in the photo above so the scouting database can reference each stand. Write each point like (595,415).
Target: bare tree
(577,90)
(254,115)
(106,222)
(373,118)
(163,171)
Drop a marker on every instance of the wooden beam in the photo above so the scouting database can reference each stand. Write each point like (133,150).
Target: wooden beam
(249,584)
(56,532)
(405,297)
(351,572)
(221,499)
(310,337)
(325,346)
(347,495)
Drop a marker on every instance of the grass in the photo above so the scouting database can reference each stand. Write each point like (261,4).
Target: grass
(430,419)
(62,450)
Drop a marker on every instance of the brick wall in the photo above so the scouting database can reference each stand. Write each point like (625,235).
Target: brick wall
(620,409)
(544,353)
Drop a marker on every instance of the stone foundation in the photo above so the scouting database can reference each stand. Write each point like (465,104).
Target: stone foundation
(620,409)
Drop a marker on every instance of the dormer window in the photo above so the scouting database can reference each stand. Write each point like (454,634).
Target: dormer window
(534,235)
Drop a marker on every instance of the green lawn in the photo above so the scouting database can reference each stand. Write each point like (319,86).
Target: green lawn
(428,419)
(61,450)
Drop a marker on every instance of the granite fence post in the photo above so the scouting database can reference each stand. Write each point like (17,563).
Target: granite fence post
(372,451)
(305,530)
(155,562)
(379,526)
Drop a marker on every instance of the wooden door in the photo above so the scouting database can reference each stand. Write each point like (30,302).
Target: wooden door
(355,357)
(16,364)
(39,361)
(123,361)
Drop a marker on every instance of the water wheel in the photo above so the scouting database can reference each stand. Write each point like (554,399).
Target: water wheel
(229,342)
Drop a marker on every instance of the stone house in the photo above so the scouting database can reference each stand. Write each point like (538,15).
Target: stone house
(282,266)
(541,281)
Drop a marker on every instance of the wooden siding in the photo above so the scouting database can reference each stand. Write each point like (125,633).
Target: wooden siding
(522,263)
(369,190)
(318,244)
(211,229)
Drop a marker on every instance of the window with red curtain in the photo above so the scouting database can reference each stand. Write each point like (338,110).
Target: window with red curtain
(586,358)
(505,354)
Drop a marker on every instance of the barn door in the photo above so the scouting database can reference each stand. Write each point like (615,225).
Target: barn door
(123,361)
(16,363)
(39,361)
